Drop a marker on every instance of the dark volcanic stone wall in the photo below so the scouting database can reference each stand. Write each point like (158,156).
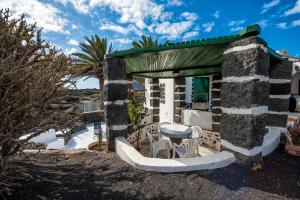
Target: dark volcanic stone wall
(115,99)
(280,74)
(245,88)
(179,98)
(154,99)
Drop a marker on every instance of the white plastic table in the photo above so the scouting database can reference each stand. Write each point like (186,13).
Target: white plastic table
(176,132)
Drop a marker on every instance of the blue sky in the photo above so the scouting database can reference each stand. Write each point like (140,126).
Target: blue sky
(66,22)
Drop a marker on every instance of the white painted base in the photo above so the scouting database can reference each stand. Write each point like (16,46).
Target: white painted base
(130,155)
(270,143)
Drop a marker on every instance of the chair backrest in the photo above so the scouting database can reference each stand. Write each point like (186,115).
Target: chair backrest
(190,146)
(197,131)
(151,139)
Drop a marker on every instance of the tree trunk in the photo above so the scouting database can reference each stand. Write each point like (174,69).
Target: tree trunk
(101,106)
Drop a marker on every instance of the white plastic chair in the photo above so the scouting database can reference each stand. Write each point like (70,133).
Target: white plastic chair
(188,148)
(197,131)
(158,145)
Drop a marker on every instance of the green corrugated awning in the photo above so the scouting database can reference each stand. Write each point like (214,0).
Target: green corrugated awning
(183,59)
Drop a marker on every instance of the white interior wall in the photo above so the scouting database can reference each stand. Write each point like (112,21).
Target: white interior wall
(166,111)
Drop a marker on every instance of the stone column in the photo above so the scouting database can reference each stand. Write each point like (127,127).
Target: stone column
(115,100)
(154,99)
(280,74)
(216,102)
(179,98)
(244,94)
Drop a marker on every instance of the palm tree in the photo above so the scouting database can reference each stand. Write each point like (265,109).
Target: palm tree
(90,62)
(145,42)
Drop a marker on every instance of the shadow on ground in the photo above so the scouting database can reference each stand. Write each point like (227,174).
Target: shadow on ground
(105,176)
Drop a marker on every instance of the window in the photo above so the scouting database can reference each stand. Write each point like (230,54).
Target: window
(200,93)
(162,88)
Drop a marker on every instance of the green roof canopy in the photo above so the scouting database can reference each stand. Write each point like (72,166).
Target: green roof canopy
(183,59)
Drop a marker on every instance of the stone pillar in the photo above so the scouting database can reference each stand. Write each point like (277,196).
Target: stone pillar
(115,100)
(280,74)
(244,94)
(179,98)
(154,99)
(216,102)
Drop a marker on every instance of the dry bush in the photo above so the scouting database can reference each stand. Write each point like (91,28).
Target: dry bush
(32,72)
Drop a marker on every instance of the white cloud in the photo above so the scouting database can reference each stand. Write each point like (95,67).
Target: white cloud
(235,29)
(189,16)
(122,41)
(166,16)
(121,29)
(296,23)
(208,26)
(190,34)
(263,23)
(294,10)
(237,22)
(175,2)
(132,11)
(217,14)
(282,25)
(173,30)
(73,42)
(114,27)
(81,6)
(70,51)
(267,6)
(45,15)
(74,26)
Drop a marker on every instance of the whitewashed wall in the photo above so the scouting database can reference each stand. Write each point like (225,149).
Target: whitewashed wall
(166,112)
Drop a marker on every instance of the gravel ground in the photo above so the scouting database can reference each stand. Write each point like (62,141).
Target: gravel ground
(105,176)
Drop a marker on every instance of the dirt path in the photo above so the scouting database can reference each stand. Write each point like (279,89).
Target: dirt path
(105,176)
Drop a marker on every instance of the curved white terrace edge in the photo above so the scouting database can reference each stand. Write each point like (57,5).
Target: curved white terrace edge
(130,155)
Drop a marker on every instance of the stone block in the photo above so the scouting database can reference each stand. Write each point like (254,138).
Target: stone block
(179,96)
(216,103)
(216,94)
(280,88)
(113,92)
(279,105)
(115,69)
(116,114)
(281,70)
(245,94)
(278,120)
(246,131)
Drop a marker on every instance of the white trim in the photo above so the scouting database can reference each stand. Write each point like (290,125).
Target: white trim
(272,80)
(217,99)
(217,81)
(176,86)
(216,122)
(246,47)
(285,96)
(238,79)
(154,91)
(277,113)
(130,155)
(215,90)
(213,107)
(177,115)
(119,127)
(154,98)
(216,114)
(179,100)
(106,82)
(270,142)
(153,108)
(247,152)
(117,102)
(153,84)
(246,111)
(179,92)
